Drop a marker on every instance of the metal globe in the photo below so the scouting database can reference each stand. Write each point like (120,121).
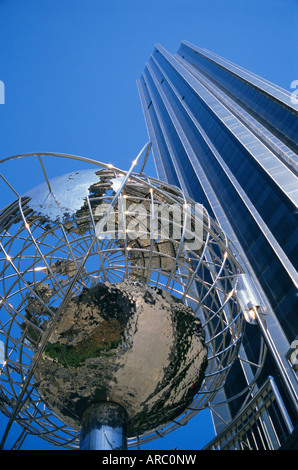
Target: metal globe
(116,287)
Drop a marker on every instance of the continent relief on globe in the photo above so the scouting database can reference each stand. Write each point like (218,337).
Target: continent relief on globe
(139,347)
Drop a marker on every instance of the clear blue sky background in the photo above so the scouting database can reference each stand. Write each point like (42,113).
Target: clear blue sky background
(70,67)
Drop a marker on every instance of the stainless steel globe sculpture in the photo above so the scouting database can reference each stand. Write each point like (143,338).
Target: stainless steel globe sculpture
(104,299)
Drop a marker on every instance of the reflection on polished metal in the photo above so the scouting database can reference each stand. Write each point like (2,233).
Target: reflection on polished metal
(247,296)
(93,274)
(103,428)
(292,395)
(251,305)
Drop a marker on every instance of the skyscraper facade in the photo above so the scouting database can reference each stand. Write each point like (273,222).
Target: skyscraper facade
(229,139)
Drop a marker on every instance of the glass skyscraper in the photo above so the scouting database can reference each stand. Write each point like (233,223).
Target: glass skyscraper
(229,139)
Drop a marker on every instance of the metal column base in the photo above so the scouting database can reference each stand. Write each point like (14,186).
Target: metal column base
(103,427)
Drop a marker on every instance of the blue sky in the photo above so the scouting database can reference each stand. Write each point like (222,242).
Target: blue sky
(70,67)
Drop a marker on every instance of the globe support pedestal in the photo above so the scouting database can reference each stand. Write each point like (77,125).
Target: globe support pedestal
(103,427)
